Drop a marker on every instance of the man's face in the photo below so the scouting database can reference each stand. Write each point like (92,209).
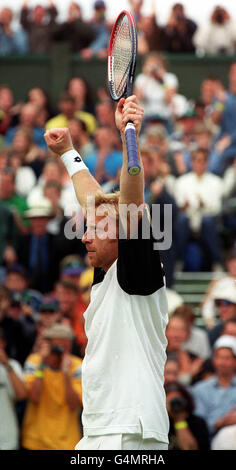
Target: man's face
(51,172)
(102,249)
(103,136)
(230,329)
(203,140)
(15,281)
(47,319)
(38,14)
(171,371)
(6,99)
(39,225)
(224,361)
(199,163)
(67,299)
(28,115)
(67,107)
(105,113)
(176,332)
(6,16)
(207,91)
(226,309)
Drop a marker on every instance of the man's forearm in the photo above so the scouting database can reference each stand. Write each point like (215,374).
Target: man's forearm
(84,185)
(131,186)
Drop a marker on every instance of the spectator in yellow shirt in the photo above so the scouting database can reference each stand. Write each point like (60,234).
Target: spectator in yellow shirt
(67,107)
(53,381)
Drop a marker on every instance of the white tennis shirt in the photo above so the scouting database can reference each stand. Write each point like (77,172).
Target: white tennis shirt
(123,367)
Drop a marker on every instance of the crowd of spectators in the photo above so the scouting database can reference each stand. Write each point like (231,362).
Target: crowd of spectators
(189,156)
(39,27)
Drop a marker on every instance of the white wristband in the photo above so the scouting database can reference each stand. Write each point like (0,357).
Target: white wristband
(73,162)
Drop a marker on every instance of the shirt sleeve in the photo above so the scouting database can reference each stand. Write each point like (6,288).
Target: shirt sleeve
(139,270)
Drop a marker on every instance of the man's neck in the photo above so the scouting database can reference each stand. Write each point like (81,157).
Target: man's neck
(225,380)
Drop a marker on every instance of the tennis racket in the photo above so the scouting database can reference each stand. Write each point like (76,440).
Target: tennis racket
(121,70)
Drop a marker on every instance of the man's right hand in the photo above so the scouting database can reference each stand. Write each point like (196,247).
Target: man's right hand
(59,140)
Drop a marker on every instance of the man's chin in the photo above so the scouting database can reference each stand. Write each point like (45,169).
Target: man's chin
(93,260)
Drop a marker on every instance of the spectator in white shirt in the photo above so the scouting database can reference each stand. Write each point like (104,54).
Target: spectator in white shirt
(199,197)
(12,388)
(219,36)
(157,91)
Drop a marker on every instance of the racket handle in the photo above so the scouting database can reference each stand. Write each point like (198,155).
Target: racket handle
(132,150)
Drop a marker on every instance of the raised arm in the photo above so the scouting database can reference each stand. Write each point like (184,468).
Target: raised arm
(59,141)
(131,186)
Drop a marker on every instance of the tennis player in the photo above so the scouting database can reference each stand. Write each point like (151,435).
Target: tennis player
(123,368)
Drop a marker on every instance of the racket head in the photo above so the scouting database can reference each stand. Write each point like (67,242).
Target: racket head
(122,56)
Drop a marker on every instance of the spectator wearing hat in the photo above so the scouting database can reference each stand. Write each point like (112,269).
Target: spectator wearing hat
(17,281)
(12,389)
(53,381)
(98,47)
(71,268)
(48,315)
(215,398)
(37,252)
(221,282)
(225,303)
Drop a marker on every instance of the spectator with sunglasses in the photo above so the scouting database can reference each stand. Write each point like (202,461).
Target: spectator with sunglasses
(225,302)
(215,398)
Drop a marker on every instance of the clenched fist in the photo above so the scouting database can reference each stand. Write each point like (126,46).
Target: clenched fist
(59,140)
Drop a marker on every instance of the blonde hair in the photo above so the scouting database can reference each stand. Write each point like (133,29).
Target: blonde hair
(100,199)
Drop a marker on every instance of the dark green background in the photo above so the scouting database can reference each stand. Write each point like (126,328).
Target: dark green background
(53,72)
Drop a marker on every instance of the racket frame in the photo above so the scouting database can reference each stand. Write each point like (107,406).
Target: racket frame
(130,133)
(128,90)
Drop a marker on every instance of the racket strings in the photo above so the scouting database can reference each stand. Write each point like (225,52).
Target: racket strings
(122,56)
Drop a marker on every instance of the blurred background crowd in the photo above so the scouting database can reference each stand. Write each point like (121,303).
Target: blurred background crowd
(32,28)
(188,149)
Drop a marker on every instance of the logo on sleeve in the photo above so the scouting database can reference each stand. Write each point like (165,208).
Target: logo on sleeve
(77,159)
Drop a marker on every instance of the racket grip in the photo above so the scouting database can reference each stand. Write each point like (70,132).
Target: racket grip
(132,150)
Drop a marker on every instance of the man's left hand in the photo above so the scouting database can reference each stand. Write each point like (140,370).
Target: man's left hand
(129,110)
